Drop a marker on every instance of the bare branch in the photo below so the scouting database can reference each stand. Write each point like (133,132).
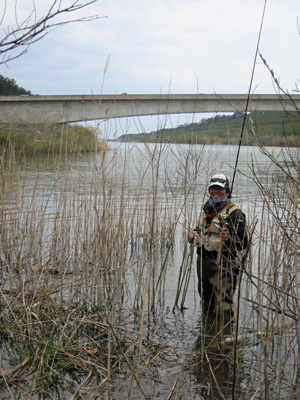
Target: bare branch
(16,41)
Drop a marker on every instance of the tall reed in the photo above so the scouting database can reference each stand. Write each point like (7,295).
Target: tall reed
(84,255)
(89,244)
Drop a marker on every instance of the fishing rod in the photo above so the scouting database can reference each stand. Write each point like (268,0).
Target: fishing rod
(248,98)
(232,184)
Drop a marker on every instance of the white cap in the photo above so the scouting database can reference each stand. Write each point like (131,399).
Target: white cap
(218,180)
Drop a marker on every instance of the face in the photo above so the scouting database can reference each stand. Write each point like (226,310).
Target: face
(217,193)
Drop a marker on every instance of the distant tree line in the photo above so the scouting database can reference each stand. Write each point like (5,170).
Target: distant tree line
(270,128)
(215,118)
(9,87)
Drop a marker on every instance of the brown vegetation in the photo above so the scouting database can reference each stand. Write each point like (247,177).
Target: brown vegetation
(86,256)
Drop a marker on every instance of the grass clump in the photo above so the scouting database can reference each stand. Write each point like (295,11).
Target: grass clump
(49,361)
(55,138)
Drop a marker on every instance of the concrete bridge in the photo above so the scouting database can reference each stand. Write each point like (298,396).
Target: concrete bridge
(76,108)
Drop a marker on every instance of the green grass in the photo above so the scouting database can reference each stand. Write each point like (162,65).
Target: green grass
(30,139)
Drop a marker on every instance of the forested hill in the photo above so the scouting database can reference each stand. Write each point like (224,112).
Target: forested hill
(271,128)
(9,87)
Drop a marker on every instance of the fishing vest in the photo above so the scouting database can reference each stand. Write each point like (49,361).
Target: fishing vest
(209,237)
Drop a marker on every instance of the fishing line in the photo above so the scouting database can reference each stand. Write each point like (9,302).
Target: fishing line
(248,97)
(233,178)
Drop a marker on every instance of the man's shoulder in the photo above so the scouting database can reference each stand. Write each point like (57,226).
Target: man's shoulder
(233,208)
(236,211)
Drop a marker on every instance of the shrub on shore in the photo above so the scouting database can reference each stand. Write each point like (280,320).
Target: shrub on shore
(36,139)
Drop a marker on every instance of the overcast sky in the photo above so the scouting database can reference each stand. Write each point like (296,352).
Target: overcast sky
(162,46)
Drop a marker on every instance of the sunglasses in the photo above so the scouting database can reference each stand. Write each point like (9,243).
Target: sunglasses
(213,180)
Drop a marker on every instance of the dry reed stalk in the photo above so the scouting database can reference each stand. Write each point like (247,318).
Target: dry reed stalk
(296,258)
(127,362)
(62,252)
(94,239)
(279,300)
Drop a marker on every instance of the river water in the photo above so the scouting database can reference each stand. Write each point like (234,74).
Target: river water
(176,176)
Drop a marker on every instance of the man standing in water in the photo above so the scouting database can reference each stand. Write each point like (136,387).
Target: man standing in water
(220,236)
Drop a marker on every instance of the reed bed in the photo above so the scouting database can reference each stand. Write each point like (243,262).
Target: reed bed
(83,264)
(89,245)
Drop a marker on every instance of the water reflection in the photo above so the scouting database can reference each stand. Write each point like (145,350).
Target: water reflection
(213,357)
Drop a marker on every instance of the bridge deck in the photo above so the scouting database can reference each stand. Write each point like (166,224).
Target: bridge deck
(75,108)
